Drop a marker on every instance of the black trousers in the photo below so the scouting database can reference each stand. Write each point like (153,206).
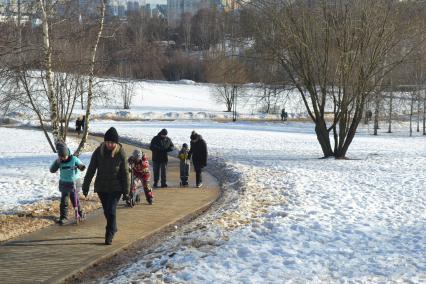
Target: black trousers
(109,202)
(198,173)
(157,168)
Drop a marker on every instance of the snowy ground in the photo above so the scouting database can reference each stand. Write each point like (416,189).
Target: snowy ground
(288,216)
(25,158)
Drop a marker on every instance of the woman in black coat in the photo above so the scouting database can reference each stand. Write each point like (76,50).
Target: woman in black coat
(109,162)
(198,153)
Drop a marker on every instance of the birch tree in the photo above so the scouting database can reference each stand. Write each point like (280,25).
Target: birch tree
(91,75)
(56,132)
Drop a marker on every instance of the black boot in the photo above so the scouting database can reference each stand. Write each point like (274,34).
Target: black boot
(108,238)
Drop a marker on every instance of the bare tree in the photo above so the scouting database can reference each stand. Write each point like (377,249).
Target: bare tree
(57,134)
(229,75)
(127,93)
(334,53)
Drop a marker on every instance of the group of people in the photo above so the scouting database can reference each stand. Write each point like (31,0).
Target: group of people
(161,144)
(111,167)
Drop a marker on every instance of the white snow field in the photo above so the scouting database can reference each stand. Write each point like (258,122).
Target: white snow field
(286,216)
(25,158)
(189,100)
(289,217)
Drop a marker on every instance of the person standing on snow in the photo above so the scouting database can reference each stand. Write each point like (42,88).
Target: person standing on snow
(198,153)
(112,178)
(160,146)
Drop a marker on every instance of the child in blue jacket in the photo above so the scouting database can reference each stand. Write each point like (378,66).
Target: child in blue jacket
(69,179)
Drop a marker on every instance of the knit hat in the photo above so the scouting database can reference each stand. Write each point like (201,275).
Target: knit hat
(194,135)
(62,149)
(184,145)
(163,131)
(137,154)
(144,157)
(111,135)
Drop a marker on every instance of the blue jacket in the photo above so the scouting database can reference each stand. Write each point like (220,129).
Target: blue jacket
(69,172)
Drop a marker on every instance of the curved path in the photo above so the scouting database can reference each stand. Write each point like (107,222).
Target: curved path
(56,253)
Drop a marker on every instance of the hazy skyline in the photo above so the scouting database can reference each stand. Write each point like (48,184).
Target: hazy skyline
(152,2)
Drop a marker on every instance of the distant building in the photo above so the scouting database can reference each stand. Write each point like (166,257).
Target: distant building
(121,11)
(162,9)
(147,11)
(132,6)
(9,10)
(177,8)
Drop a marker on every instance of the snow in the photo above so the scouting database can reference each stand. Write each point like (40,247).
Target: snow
(184,100)
(25,158)
(293,217)
(286,216)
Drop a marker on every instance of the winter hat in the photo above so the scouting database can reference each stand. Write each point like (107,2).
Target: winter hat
(111,135)
(137,154)
(184,145)
(62,149)
(194,135)
(163,131)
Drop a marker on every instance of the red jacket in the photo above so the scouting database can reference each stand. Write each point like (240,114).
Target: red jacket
(140,168)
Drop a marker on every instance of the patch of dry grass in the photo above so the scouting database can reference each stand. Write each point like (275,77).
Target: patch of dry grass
(39,215)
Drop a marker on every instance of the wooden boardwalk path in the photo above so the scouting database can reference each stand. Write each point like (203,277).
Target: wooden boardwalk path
(56,253)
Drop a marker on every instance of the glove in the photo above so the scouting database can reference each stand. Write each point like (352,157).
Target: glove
(125,197)
(82,167)
(85,192)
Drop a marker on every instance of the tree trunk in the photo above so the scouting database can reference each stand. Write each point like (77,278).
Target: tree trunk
(418,111)
(390,112)
(234,102)
(81,93)
(376,114)
(57,135)
(90,83)
(411,114)
(424,112)
(323,138)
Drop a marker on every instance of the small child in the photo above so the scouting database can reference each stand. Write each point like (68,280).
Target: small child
(139,166)
(184,165)
(69,180)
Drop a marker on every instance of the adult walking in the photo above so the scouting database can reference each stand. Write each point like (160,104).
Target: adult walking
(198,153)
(161,144)
(78,126)
(112,178)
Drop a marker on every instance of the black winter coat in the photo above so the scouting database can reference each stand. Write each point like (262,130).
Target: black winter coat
(198,152)
(159,147)
(111,170)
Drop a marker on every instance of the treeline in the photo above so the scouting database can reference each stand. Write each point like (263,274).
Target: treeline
(342,57)
(140,47)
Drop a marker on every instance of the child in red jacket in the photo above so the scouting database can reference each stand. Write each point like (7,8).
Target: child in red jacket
(139,166)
